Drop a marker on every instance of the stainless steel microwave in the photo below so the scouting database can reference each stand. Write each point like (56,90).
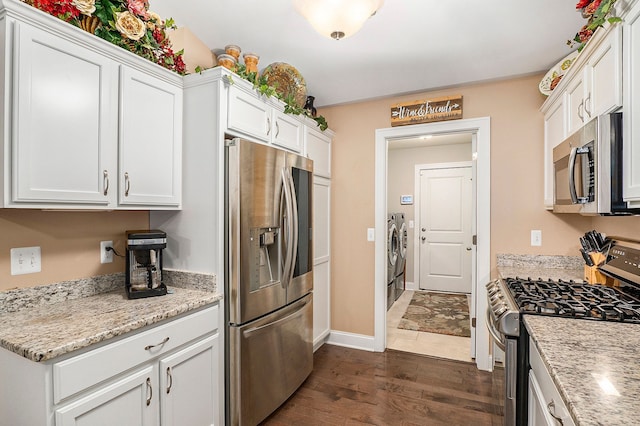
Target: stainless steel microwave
(588,169)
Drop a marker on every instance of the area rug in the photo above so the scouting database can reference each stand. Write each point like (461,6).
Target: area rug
(441,313)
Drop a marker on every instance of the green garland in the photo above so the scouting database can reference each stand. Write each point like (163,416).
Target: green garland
(261,85)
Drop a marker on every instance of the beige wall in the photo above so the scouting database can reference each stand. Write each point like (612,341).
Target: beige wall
(69,242)
(516,189)
(401,181)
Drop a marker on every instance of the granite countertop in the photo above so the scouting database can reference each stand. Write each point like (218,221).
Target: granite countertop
(594,365)
(545,267)
(43,331)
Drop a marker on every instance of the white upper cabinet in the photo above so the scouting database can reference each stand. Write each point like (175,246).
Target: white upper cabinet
(85,124)
(249,115)
(318,148)
(554,134)
(65,122)
(631,118)
(596,88)
(150,141)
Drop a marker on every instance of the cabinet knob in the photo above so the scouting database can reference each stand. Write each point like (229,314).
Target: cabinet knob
(424,238)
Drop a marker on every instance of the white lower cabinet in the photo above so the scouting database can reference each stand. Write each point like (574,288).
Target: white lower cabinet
(165,375)
(127,402)
(546,407)
(189,385)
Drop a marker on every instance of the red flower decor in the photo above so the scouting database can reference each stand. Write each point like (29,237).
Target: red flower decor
(582,3)
(62,9)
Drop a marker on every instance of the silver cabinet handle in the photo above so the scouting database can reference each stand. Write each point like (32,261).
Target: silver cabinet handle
(277,129)
(552,405)
(127,184)
(268,126)
(580,111)
(588,102)
(150,391)
(148,347)
(170,379)
(105,181)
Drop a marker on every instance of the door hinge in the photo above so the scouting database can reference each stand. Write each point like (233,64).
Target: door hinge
(475,240)
(473,322)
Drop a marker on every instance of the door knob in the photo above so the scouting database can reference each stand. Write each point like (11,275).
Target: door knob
(424,229)
(468,248)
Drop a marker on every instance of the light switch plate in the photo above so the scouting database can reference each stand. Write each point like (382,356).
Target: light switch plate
(536,237)
(371,234)
(25,260)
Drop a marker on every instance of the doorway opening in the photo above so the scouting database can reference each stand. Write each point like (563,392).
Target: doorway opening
(429,196)
(480,267)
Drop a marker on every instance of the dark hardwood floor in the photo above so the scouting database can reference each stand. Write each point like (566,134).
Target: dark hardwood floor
(353,387)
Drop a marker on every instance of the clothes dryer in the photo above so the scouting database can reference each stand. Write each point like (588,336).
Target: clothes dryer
(399,281)
(392,258)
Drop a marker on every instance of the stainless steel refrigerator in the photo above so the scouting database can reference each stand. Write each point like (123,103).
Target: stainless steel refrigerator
(268,278)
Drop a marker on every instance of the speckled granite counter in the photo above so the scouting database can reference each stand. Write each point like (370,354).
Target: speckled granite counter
(41,329)
(545,267)
(580,354)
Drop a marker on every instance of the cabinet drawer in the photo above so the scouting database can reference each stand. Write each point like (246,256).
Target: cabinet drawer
(549,391)
(83,371)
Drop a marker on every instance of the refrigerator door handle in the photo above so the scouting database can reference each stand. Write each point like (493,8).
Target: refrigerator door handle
(294,234)
(295,308)
(286,188)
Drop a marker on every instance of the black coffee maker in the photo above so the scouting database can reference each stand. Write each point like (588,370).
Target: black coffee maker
(144,263)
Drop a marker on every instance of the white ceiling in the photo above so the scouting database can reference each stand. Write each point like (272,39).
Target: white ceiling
(408,46)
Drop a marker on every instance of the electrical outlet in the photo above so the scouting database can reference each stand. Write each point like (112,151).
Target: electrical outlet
(106,256)
(25,260)
(536,237)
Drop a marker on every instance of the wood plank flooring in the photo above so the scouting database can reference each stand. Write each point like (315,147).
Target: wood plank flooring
(353,387)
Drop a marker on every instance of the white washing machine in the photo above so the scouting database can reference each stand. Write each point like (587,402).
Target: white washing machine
(402,254)
(392,258)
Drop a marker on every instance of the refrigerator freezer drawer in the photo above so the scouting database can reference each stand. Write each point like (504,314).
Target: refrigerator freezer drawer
(269,359)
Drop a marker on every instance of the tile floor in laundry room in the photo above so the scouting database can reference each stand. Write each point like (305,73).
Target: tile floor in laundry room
(431,344)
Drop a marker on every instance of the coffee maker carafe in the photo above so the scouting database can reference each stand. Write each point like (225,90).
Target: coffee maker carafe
(144,263)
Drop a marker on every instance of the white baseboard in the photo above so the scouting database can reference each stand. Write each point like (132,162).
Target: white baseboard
(351,340)
(410,286)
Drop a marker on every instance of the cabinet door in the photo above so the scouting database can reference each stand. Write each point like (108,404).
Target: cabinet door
(287,131)
(538,415)
(553,135)
(574,101)
(150,141)
(318,148)
(189,385)
(604,69)
(321,261)
(127,402)
(65,122)
(631,122)
(248,115)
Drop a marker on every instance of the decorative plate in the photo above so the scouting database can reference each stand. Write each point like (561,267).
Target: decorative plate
(287,81)
(555,74)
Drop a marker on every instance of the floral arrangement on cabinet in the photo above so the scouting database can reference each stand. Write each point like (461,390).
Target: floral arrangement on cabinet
(597,13)
(126,23)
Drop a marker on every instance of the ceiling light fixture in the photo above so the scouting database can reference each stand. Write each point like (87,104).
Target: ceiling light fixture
(337,19)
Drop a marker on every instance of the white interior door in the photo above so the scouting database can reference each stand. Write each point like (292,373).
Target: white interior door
(445,229)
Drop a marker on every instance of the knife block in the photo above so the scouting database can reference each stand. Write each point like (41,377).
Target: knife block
(591,273)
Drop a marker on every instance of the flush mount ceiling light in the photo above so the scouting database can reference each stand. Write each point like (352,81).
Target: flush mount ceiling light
(337,19)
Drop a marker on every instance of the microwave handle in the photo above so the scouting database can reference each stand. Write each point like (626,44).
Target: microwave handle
(572,177)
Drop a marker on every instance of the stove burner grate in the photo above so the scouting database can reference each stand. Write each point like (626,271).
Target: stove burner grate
(575,300)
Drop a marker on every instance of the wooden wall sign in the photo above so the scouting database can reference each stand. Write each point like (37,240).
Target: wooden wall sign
(418,112)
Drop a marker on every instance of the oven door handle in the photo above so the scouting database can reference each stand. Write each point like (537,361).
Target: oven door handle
(572,177)
(493,332)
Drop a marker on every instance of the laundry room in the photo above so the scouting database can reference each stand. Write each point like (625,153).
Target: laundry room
(428,261)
